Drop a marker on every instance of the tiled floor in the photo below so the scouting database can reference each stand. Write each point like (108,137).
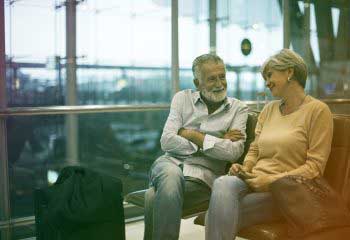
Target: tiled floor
(189,231)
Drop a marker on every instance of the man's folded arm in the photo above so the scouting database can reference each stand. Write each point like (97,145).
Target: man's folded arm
(222,149)
(225,149)
(170,141)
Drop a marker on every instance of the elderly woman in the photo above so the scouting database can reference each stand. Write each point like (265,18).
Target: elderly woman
(293,137)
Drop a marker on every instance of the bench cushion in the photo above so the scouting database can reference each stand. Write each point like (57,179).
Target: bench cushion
(138,199)
(271,231)
(278,231)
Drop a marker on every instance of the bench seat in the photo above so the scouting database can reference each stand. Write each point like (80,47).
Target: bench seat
(138,199)
(337,173)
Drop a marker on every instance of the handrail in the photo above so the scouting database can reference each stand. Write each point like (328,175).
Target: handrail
(61,110)
(17,222)
(55,110)
(30,220)
(336,101)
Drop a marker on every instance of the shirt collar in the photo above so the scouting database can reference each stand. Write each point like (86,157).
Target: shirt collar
(196,97)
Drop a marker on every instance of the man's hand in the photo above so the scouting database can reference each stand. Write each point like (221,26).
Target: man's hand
(260,183)
(185,133)
(234,135)
(192,135)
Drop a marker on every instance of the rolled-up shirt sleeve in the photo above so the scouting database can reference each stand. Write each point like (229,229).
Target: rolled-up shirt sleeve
(170,141)
(225,149)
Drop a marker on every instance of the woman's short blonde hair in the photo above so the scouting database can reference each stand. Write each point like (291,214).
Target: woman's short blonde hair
(286,59)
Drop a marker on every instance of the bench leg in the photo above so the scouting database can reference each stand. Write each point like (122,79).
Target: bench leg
(149,199)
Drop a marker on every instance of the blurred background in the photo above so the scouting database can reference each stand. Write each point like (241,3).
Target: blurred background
(117,64)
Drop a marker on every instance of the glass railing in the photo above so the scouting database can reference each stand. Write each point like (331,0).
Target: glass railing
(122,145)
(118,141)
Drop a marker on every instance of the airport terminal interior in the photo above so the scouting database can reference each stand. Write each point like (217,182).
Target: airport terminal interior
(89,83)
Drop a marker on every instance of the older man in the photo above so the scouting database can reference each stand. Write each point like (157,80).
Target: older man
(205,129)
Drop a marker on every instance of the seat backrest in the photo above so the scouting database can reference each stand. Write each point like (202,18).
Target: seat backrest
(338,165)
(250,132)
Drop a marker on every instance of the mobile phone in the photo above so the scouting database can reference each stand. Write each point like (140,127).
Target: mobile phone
(242,175)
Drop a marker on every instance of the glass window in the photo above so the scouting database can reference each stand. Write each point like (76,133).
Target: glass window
(330,56)
(118,54)
(133,37)
(31,75)
(193,37)
(258,21)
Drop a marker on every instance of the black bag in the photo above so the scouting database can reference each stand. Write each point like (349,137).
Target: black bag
(82,204)
(309,205)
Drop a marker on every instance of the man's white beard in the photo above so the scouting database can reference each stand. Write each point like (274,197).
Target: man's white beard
(214,97)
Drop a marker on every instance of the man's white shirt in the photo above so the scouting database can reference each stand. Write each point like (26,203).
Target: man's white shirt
(189,111)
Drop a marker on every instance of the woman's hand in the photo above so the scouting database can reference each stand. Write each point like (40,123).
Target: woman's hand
(235,168)
(260,183)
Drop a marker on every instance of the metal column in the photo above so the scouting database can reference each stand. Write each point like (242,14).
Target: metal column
(175,47)
(5,211)
(71,83)
(325,36)
(286,24)
(307,44)
(238,84)
(341,46)
(307,47)
(212,26)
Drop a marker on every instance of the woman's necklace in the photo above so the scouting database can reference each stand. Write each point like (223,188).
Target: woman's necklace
(283,104)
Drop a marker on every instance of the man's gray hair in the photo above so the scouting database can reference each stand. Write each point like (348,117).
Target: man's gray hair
(202,59)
